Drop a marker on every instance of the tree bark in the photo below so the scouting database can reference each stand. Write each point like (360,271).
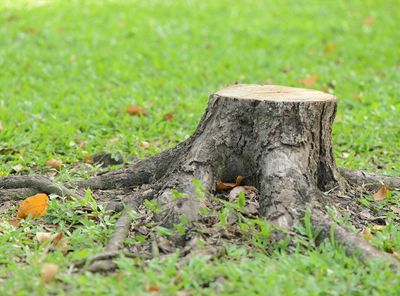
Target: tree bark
(278,137)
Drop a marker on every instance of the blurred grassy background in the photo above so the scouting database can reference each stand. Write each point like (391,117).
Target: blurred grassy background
(70,68)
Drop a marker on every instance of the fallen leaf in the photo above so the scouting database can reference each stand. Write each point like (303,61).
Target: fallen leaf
(153,288)
(330,48)
(55,164)
(135,110)
(395,209)
(169,116)
(57,239)
(144,144)
(14,222)
(345,154)
(88,159)
(235,193)
(17,168)
(43,236)
(381,194)
(366,233)
(309,81)
(227,186)
(34,206)
(48,272)
(369,21)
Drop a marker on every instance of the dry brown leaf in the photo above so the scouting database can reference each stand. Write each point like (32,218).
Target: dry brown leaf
(153,288)
(330,48)
(55,164)
(366,233)
(309,81)
(14,222)
(395,209)
(135,110)
(57,239)
(381,194)
(34,206)
(228,186)
(48,272)
(17,168)
(88,159)
(169,116)
(144,144)
(235,192)
(43,236)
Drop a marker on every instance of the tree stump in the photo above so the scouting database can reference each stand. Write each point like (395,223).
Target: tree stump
(279,138)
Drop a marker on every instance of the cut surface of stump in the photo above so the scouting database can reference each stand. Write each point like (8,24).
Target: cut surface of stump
(278,138)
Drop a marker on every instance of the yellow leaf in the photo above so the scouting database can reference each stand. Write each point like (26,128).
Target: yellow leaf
(34,205)
(381,194)
(48,272)
(54,163)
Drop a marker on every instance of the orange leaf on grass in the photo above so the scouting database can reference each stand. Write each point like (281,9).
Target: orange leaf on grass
(153,288)
(309,81)
(169,116)
(34,206)
(381,194)
(135,110)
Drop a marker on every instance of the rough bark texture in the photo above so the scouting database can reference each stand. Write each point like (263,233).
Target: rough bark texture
(278,138)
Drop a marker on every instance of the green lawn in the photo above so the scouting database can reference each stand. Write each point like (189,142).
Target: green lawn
(69,69)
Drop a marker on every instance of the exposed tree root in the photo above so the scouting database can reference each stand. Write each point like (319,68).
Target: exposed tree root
(362,178)
(353,243)
(103,261)
(31,184)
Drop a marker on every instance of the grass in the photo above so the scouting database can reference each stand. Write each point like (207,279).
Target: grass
(69,69)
